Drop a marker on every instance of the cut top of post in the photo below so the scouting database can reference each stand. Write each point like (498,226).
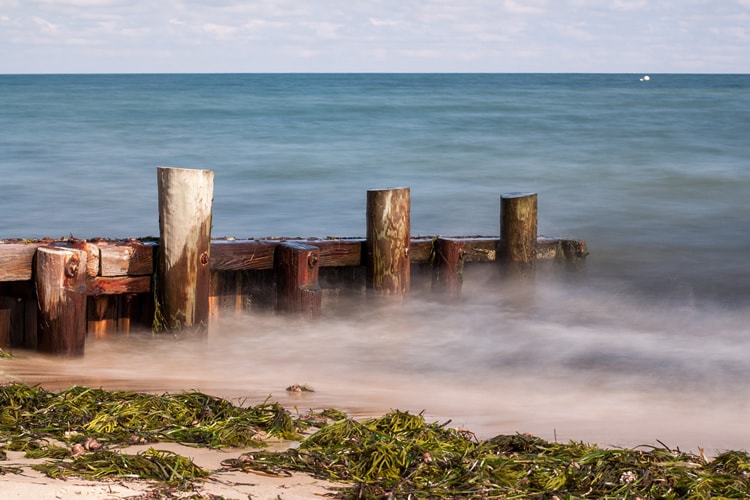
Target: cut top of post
(508,196)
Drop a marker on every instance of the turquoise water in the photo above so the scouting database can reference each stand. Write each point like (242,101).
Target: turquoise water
(654,175)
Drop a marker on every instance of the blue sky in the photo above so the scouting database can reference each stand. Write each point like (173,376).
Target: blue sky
(125,36)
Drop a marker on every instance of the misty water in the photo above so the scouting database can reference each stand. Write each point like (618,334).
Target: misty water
(649,343)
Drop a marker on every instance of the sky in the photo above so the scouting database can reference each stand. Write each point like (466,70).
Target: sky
(251,36)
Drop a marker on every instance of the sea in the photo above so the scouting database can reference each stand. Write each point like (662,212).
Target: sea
(649,344)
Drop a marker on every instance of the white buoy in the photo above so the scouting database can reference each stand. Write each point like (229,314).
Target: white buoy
(645,78)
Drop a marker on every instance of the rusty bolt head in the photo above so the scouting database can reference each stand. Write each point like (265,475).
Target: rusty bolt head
(71,267)
(204,258)
(312,261)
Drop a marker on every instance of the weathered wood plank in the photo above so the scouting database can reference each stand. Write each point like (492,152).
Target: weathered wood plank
(16,261)
(127,258)
(118,284)
(242,255)
(335,253)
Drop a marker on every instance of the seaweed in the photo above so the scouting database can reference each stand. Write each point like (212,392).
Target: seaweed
(402,456)
(398,455)
(165,466)
(72,428)
(29,413)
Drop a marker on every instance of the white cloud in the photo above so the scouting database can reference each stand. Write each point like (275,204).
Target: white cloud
(422,53)
(219,31)
(46,26)
(534,7)
(629,4)
(576,32)
(387,22)
(381,35)
(325,29)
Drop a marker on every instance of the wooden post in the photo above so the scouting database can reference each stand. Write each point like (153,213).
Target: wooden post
(185,204)
(388,240)
(518,233)
(448,267)
(61,295)
(297,286)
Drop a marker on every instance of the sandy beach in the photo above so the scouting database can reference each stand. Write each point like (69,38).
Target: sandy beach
(31,484)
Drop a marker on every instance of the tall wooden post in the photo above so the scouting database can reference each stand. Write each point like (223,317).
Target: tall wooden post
(61,296)
(297,286)
(185,204)
(518,233)
(448,266)
(388,241)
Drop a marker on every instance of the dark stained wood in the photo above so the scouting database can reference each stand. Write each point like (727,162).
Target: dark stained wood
(225,294)
(574,252)
(448,267)
(101,315)
(61,294)
(185,209)
(7,310)
(518,233)
(242,255)
(421,250)
(388,242)
(341,252)
(117,285)
(298,291)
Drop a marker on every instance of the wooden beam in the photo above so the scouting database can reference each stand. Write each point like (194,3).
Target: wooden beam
(16,261)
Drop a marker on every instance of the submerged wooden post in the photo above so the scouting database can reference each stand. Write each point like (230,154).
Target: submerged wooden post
(185,204)
(61,296)
(388,240)
(448,266)
(297,279)
(518,233)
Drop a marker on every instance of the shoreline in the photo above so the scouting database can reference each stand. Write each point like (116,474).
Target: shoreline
(396,454)
(222,483)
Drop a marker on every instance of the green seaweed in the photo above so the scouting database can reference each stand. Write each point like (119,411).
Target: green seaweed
(398,455)
(160,465)
(402,456)
(124,417)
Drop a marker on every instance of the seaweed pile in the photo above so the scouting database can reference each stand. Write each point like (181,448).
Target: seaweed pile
(402,456)
(399,455)
(75,427)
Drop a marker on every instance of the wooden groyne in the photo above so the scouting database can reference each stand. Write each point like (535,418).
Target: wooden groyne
(55,293)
